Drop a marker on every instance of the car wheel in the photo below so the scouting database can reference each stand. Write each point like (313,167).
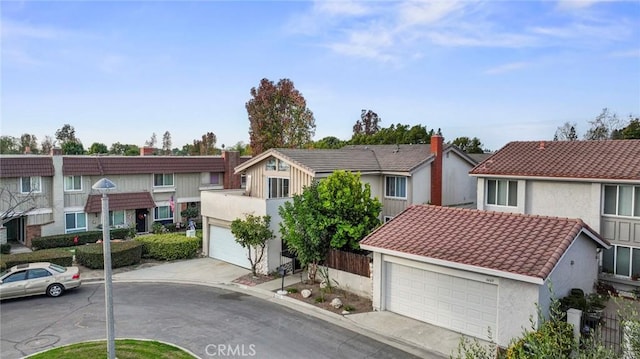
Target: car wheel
(55,290)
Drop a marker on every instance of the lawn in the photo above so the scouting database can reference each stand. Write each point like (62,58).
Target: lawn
(125,349)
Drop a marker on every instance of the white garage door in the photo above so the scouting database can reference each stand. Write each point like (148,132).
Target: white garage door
(223,246)
(463,305)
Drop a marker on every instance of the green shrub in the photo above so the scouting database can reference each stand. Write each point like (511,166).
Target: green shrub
(122,254)
(5,248)
(67,240)
(58,256)
(292,290)
(169,246)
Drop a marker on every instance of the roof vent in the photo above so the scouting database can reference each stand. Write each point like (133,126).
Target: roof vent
(541,145)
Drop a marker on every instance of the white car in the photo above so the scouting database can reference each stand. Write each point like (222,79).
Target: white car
(38,278)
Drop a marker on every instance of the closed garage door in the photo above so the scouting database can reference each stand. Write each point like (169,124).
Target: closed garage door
(459,304)
(223,246)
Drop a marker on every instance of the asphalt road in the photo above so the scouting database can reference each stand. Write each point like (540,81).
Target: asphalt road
(209,322)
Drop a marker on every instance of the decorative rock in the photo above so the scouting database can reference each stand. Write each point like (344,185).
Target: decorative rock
(345,312)
(306,293)
(323,285)
(336,303)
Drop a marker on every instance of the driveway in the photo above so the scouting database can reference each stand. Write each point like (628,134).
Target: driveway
(204,320)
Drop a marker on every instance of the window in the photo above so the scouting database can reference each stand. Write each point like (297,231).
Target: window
(271,164)
(73,183)
(387,218)
(38,273)
(75,222)
(621,260)
(243,181)
(395,187)
(502,193)
(278,187)
(214,178)
(622,200)
(283,166)
(30,184)
(116,219)
(162,213)
(163,179)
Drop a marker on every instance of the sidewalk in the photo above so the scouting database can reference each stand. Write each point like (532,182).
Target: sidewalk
(415,337)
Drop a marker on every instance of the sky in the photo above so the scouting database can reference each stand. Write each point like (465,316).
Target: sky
(119,71)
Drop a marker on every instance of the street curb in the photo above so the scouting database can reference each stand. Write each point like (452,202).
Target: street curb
(305,308)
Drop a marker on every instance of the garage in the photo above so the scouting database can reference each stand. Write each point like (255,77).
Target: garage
(463,305)
(223,246)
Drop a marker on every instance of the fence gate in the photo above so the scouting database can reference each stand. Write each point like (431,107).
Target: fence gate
(605,327)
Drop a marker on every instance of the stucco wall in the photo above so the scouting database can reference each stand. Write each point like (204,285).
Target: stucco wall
(421,185)
(565,199)
(516,307)
(457,186)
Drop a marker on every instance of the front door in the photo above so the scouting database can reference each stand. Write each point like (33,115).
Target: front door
(141,220)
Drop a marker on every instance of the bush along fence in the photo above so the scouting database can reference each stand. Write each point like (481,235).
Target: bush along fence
(72,239)
(122,254)
(170,246)
(349,262)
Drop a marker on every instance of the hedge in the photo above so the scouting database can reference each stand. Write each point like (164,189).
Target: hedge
(67,240)
(169,246)
(58,256)
(122,254)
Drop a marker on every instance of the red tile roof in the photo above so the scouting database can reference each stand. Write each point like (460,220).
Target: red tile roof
(26,166)
(522,244)
(614,159)
(120,201)
(112,165)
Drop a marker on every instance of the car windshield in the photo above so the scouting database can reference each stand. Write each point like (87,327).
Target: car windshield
(57,268)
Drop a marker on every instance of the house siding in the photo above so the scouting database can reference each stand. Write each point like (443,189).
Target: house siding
(457,189)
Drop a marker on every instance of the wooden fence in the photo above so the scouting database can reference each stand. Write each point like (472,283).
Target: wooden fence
(349,262)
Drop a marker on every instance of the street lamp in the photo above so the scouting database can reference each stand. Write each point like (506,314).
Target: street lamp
(103,186)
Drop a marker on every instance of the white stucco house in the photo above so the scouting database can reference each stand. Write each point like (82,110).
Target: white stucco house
(469,270)
(399,176)
(597,181)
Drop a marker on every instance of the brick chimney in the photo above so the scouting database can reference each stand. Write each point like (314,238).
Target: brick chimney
(231,160)
(436,170)
(147,151)
(56,151)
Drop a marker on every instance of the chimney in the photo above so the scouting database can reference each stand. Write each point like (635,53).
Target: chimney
(146,151)
(231,160)
(55,151)
(27,150)
(436,170)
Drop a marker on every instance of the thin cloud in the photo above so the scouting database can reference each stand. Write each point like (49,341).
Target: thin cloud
(427,13)
(514,66)
(341,8)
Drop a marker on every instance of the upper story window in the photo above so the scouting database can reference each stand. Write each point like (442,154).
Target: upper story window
(283,166)
(395,187)
(622,200)
(73,183)
(163,179)
(273,163)
(502,192)
(214,178)
(278,187)
(31,184)
(75,222)
(270,165)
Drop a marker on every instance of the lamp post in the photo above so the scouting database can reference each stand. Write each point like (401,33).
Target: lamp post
(103,186)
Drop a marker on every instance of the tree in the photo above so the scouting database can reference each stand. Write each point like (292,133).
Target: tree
(469,145)
(97,148)
(152,141)
(66,134)
(278,117)
(47,145)
(29,142)
(241,147)
(329,142)
(368,124)
(603,126)
(395,134)
(166,143)
(632,130)
(15,205)
(566,132)
(208,144)
(124,150)
(72,148)
(253,233)
(9,145)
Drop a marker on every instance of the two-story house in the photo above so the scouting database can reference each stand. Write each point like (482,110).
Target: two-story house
(399,176)
(55,196)
(597,181)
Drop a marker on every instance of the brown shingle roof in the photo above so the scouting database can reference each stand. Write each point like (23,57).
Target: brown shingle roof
(522,244)
(614,159)
(120,201)
(323,160)
(402,158)
(26,166)
(112,165)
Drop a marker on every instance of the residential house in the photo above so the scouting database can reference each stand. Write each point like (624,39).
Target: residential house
(399,176)
(597,181)
(149,189)
(479,273)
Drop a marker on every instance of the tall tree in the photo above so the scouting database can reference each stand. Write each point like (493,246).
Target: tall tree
(395,134)
(30,142)
(208,144)
(241,147)
(368,124)
(632,130)
(152,141)
(472,145)
(66,134)
(278,117)
(329,142)
(124,150)
(72,148)
(47,145)
(253,233)
(603,126)
(9,145)
(98,148)
(566,132)
(166,143)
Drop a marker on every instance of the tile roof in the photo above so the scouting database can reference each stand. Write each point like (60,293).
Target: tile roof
(611,159)
(120,201)
(403,158)
(26,166)
(516,243)
(112,165)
